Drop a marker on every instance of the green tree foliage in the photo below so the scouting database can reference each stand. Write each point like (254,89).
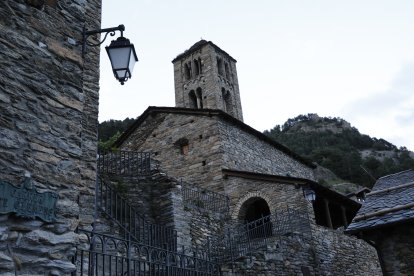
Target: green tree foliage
(334,144)
(109,131)
(107,145)
(109,128)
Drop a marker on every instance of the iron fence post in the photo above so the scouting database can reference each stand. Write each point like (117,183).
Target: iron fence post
(129,255)
(231,249)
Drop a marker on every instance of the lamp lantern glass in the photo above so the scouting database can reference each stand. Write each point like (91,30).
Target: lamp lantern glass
(123,58)
(309,194)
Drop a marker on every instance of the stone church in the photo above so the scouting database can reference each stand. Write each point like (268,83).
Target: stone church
(190,189)
(267,221)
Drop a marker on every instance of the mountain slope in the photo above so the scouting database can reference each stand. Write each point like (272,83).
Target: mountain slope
(334,144)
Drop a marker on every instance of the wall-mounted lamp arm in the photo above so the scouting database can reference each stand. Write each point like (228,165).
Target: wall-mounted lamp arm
(110,31)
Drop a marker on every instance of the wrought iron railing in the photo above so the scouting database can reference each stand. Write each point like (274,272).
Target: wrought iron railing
(108,255)
(205,199)
(127,163)
(131,222)
(243,239)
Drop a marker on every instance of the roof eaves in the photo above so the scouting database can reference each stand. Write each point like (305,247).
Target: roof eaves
(370,227)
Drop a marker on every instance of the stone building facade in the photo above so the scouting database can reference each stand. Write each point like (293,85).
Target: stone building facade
(386,220)
(48,127)
(205,148)
(215,174)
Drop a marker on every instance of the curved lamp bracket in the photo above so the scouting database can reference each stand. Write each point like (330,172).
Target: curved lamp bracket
(110,31)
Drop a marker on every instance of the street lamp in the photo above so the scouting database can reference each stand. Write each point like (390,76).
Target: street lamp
(121,52)
(123,57)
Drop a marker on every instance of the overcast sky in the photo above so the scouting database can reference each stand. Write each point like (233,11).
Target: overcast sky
(348,59)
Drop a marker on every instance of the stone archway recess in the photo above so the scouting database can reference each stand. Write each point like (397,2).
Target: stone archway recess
(238,210)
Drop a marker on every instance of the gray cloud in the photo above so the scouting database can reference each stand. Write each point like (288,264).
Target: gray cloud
(395,105)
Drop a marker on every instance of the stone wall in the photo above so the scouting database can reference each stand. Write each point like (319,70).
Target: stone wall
(159,199)
(205,223)
(321,251)
(329,252)
(340,254)
(244,151)
(49,111)
(277,195)
(160,134)
(285,255)
(395,246)
(213,144)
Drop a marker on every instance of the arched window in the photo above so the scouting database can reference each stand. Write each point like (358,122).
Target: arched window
(196,98)
(228,101)
(187,71)
(196,68)
(201,65)
(193,99)
(220,66)
(255,214)
(199,95)
(226,68)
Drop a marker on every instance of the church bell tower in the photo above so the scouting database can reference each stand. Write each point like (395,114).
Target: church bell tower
(205,77)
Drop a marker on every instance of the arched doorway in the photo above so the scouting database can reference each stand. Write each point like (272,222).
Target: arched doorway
(255,215)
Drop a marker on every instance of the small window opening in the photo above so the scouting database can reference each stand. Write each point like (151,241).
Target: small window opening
(204,163)
(226,68)
(220,66)
(227,101)
(187,71)
(193,99)
(196,68)
(184,149)
(199,94)
(200,65)
(183,145)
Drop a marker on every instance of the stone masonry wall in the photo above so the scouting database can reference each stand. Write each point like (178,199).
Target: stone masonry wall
(243,151)
(395,246)
(159,199)
(48,126)
(160,133)
(329,252)
(206,216)
(340,254)
(282,256)
(277,195)
(213,145)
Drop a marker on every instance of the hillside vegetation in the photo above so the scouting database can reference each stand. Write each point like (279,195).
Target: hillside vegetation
(109,131)
(334,144)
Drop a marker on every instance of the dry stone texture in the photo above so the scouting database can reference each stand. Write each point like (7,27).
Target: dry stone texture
(48,124)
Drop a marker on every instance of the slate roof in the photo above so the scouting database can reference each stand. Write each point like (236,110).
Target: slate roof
(391,201)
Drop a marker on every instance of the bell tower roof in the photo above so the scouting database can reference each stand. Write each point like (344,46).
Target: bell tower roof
(198,45)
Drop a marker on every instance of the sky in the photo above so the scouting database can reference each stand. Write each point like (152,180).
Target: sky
(348,59)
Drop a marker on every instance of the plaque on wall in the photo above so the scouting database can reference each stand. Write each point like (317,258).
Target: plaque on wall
(26,202)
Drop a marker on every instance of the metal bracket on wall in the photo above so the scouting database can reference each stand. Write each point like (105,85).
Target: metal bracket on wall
(110,31)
